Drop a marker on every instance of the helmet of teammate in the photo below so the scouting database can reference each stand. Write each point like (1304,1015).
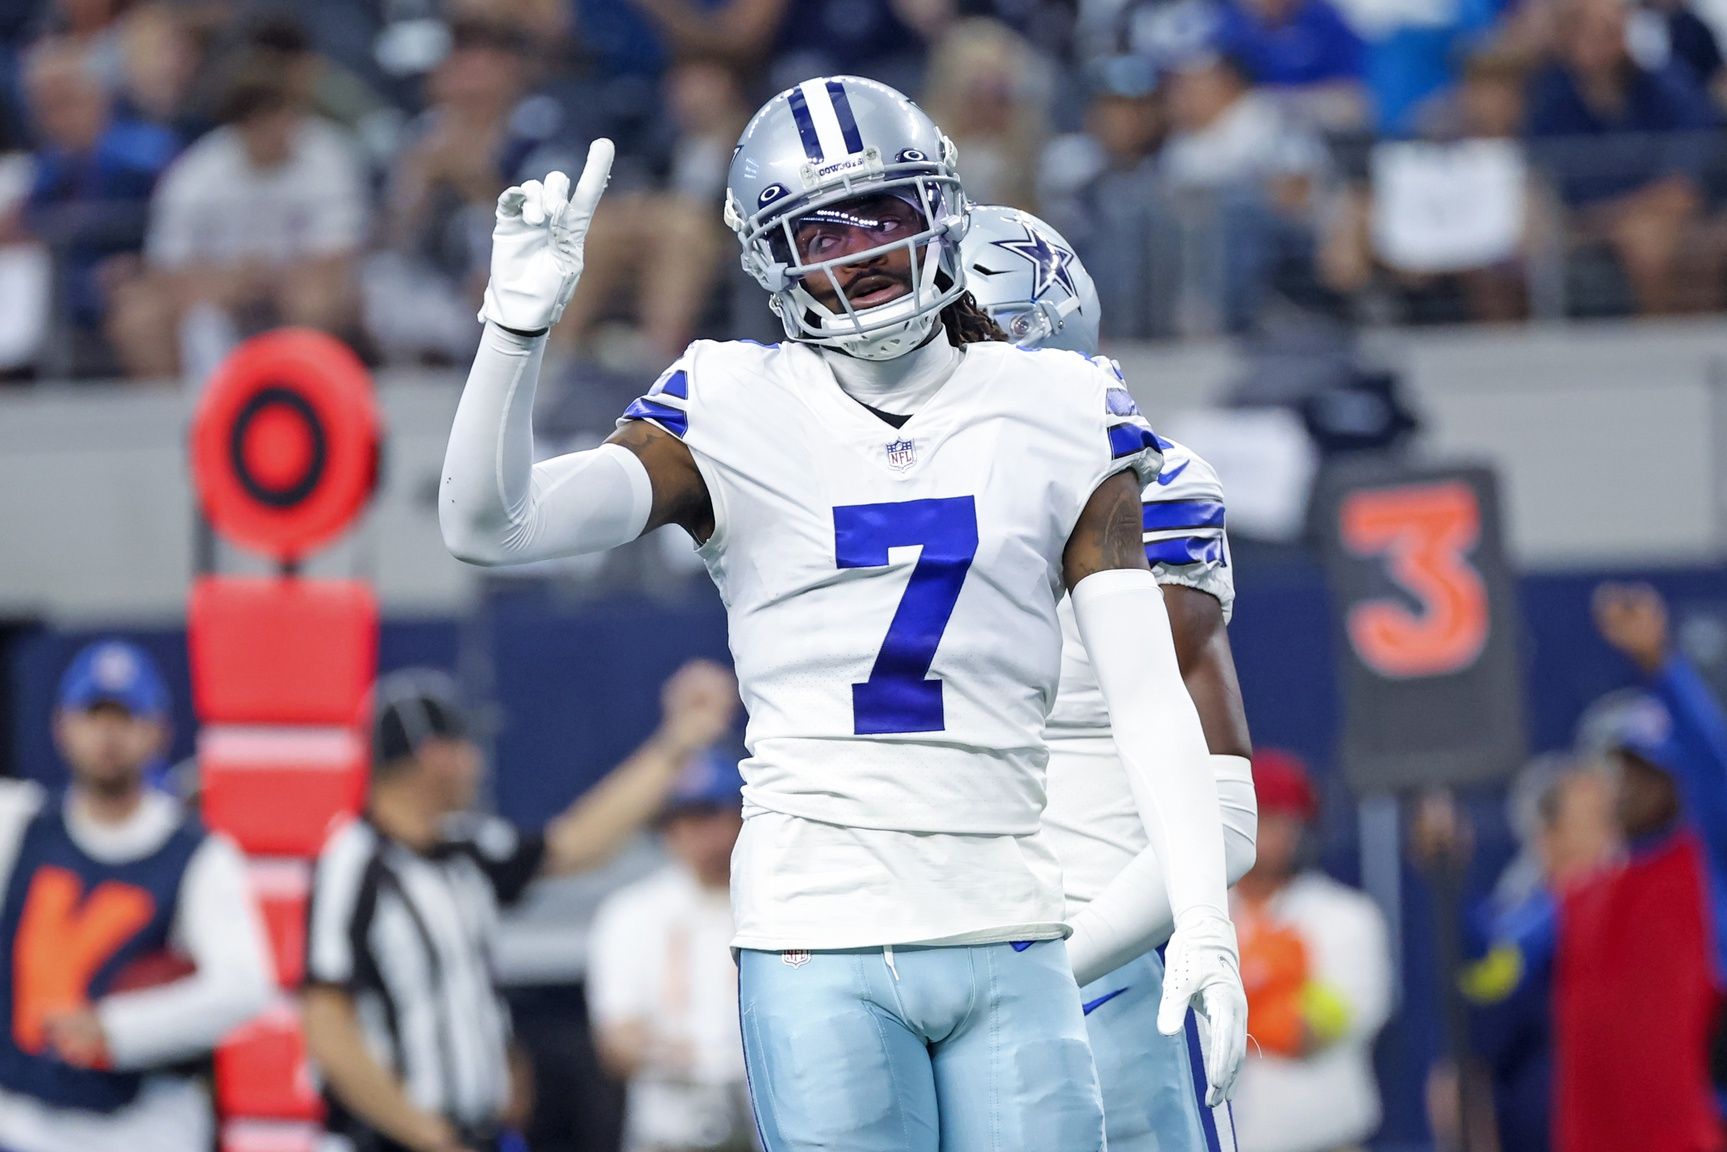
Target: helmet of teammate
(844,171)
(1028,279)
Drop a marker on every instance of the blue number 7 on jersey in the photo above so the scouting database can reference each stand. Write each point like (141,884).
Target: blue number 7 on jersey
(897,697)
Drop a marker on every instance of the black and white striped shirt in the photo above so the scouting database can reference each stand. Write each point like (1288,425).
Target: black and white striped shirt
(409,936)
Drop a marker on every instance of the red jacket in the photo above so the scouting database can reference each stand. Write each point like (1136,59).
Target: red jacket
(1634,1000)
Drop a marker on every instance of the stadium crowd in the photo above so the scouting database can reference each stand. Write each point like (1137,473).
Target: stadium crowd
(179,173)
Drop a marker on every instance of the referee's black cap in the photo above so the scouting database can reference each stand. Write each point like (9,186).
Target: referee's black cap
(410,707)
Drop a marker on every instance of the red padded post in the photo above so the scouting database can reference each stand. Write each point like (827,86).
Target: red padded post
(282,888)
(269,1136)
(261,1070)
(269,650)
(277,791)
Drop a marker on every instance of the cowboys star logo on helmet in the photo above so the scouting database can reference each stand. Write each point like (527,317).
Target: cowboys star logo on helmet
(1026,276)
(1050,260)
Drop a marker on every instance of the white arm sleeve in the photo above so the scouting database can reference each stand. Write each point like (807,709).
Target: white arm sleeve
(1125,628)
(1131,916)
(218,927)
(496,506)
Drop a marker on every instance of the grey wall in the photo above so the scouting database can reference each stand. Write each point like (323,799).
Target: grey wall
(1607,436)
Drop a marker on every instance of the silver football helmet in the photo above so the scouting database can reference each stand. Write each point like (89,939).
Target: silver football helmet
(1028,279)
(841,172)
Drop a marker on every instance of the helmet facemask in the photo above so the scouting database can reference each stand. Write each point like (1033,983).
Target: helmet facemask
(914,210)
(1035,324)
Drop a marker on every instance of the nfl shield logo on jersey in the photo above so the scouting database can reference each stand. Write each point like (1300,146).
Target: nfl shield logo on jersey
(796,958)
(901,454)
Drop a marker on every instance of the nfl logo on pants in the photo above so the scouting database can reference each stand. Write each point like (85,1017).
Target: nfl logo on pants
(901,454)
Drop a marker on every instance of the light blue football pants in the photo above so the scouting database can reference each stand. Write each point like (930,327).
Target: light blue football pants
(965,1048)
(1153,1085)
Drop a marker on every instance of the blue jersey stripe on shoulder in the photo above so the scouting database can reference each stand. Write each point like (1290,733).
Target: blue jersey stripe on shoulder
(1185,550)
(1127,439)
(1163,515)
(677,384)
(674,420)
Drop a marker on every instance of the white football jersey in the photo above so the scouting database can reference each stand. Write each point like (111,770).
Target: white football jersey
(891,598)
(1091,820)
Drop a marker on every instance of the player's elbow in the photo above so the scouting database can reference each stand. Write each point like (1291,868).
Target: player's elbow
(1239,853)
(467,540)
(1239,809)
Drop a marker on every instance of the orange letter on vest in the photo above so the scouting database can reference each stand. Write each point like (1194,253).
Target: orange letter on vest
(63,939)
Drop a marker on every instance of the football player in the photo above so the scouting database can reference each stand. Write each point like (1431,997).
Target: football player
(1026,276)
(891,503)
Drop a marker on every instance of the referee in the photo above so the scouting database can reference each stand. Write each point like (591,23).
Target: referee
(404,1025)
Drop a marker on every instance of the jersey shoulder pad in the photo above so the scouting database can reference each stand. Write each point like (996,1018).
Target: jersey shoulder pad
(1186,475)
(1185,523)
(1131,439)
(719,365)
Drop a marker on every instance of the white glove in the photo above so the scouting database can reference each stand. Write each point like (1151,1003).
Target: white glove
(1201,969)
(537,244)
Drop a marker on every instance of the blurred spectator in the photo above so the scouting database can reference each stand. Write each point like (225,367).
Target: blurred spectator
(93,25)
(881,39)
(737,32)
(160,58)
(1100,189)
(1451,224)
(1643,941)
(1561,811)
(89,201)
(257,224)
(659,252)
(1624,146)
(1488,102)
(632,46)
(1316,962)
(990,93)
(1303,48)
(401,1017)
(662,983)
(280,41)
(133,944)
(475,138)
(1413,51)
(1245,179)
(1670,30)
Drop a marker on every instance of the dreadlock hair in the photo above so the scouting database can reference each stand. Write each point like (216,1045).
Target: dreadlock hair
(966,323)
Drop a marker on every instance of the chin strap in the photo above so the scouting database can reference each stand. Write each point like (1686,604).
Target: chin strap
(890,344)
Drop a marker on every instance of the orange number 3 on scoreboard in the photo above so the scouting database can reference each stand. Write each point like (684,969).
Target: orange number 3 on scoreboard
(1425,532)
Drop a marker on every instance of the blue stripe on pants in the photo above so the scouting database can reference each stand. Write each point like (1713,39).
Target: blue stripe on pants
(1218,1122)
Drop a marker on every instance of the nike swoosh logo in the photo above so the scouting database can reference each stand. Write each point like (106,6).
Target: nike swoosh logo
(1168,478)
(1093,1005)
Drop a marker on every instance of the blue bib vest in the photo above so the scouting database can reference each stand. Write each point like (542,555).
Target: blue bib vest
(69,924)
